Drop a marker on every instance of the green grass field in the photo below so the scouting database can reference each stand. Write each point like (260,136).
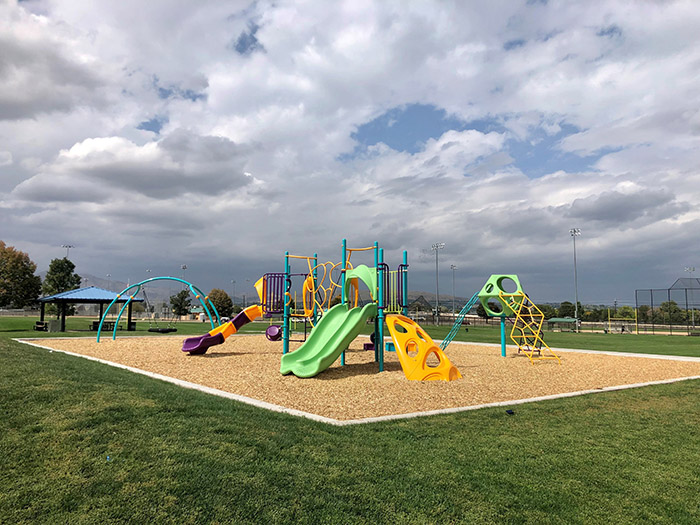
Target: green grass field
(81,442)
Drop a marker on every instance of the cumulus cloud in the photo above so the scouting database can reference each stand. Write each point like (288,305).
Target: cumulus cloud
(179,163)
(235,137)
(39,70)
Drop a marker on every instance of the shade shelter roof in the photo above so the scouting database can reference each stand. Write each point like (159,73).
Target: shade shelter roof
(89,295)
(687,283)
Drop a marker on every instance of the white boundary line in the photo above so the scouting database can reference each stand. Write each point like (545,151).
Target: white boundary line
(393,417)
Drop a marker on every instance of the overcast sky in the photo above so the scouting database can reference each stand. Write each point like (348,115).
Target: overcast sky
(221,134)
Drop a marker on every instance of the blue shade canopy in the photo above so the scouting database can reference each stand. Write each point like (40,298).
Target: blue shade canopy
(91,294)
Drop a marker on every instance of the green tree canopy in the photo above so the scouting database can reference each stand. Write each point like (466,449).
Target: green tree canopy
(19,287)
(493,306)
(643,312)
(61,277)
(181,302)
(547,310)
(625,311)
(671,313)
(566,309)
(222,302)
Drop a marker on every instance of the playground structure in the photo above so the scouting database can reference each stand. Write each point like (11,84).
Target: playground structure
(198,294)
(527,318)
(342,323)
(334,328)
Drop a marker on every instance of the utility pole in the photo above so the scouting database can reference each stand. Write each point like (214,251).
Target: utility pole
(453,268)
(575,232)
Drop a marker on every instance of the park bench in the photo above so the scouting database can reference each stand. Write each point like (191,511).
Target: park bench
(41,326)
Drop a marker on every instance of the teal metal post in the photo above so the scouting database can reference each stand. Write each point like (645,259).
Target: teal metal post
(285,317)
(503,336)
(404,284)
(342,287)
(379,337)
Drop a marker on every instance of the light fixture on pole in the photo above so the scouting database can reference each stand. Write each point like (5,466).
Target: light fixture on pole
(67,247)
(690,270)
(575,232)
(453,268)
(184,269)
(109,281)
(436,248)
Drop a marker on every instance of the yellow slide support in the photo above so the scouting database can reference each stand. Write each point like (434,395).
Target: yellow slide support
(414,346)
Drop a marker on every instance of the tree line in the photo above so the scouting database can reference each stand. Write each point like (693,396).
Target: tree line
(20,287)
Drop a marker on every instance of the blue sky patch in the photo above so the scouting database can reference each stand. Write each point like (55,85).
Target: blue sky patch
(407,128)
(155,124)
(513,44)
(247,42)
(174,91)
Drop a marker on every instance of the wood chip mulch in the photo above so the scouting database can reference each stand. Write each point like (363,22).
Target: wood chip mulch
(249,366)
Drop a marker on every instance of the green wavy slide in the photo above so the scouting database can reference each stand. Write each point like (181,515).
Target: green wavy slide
(329,338)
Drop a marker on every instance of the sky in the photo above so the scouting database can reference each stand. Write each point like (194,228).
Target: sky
(218,135)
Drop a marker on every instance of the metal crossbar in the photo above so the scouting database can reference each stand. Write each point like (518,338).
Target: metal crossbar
(462,314)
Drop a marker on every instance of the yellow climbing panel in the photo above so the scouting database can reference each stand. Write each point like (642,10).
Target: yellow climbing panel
(527,327)
(414,347)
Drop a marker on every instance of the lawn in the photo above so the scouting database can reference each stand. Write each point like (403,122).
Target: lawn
(82,443)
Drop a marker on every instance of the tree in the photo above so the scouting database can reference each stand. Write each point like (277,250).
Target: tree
(61,278)
(626,312)
(222,302)
(672,314)
(643,313)
(547,310)
(494,307)
(19,286)
(181,302)
(566,309)
(594,314)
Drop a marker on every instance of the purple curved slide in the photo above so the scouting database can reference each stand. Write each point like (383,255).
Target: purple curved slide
(200,344)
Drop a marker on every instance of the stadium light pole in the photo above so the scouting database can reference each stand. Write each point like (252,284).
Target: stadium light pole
(67,247)
(453,268)
(575,232)
(233,297)
(184,269)
(690,270)
(436,248)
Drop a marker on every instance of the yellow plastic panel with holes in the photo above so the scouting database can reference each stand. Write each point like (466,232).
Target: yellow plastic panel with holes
(414,347)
